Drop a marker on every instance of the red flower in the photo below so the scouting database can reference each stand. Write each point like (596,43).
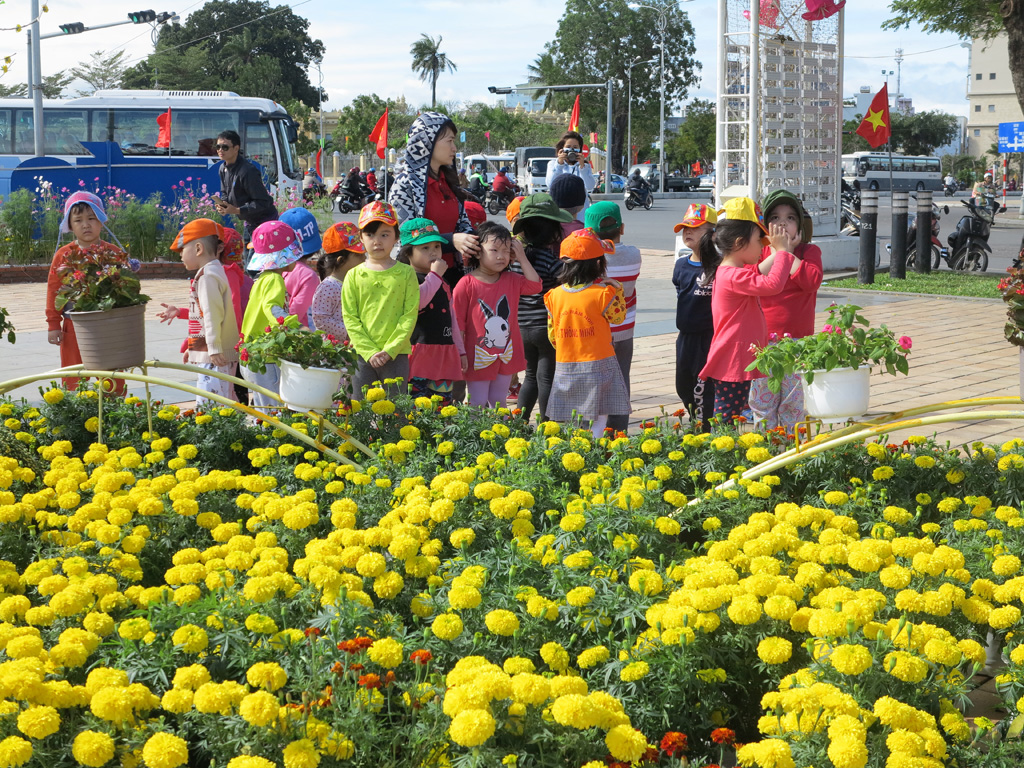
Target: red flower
(650,756)
(338,668)
(312,632)
(280,321)
(244,355)
(370,681)
(673,742)
(267,329)
(724,736)
(389,678)
(421,656)
(355,667)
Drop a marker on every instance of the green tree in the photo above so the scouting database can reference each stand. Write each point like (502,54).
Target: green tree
(696,139)
(508,130)
(358,119)
(542,70)
(272,62)
(917,134)
(596,41)
(969,19)
(428,62)
(53,87)
(101,71)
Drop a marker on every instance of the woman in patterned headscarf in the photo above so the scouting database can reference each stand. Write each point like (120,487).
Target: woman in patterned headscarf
(428,187)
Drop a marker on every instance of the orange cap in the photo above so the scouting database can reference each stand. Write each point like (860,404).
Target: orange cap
(343,236)
(512,212)
(196,229)
(583,244)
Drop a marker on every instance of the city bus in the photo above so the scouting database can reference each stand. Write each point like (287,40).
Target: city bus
(128,119)
(870,170)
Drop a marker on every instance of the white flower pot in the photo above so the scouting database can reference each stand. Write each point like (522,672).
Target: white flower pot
(308,389)
(838,395)
(1021,358)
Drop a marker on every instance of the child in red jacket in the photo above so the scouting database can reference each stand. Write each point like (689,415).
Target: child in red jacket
(789,312)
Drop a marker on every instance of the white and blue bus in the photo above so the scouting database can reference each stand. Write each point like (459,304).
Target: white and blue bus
(127,122)
(870,170)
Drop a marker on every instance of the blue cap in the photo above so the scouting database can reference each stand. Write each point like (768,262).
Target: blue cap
(306,229)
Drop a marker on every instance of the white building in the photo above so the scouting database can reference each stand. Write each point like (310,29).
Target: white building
(990,93)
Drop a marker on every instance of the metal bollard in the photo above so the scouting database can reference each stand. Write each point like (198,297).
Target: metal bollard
(868,235)
(923,262)
(898,255)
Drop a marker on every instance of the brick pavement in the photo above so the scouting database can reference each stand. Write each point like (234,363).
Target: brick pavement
(959,351)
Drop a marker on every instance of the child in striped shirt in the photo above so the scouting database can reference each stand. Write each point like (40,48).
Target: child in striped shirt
(605,219)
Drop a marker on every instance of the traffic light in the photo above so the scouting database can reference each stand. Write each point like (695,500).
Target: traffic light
(74,28)
(163,18)
(141,17)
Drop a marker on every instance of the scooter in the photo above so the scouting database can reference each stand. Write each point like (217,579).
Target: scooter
(950,189)
(849,223)
(496,202)
(938,252)
(968,243)
(632,198)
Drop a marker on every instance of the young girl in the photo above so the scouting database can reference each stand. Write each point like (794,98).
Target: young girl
(581,311)
(790,312)
(275,251)
(739,321)
(380,299)
(693,278)
(302,281)
(487,309)
(342,252)
(438,358)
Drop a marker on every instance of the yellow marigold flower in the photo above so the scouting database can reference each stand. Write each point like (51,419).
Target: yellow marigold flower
(723,443)
(580,596)
(252,761)
(668,526)
(472,727)
(502,622)
(906,666)
(555,656)
(447,626)
(836,498)
(531,689)
(593,656)
(93,749)
(646,582)
(259,709)
(164,750)
(387,652)
(15,751)
(302,753)
(625,742)
(850,659)
(573,522)
(634,671)
(267,674)
(924,462)
(573,462)
(775,650)
(744,609)
(650,447)
(1004,617)
(1006,565)
(191,638)
(39,722)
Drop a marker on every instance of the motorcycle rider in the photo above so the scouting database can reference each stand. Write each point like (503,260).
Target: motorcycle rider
(353,186)
(639,184)
(984,191)
(371,179)
(477,184)
(503,185)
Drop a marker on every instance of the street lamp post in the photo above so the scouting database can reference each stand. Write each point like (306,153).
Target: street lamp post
(629,112)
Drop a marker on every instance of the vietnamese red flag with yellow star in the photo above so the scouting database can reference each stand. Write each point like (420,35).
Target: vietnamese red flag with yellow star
(876,127)
(574,118)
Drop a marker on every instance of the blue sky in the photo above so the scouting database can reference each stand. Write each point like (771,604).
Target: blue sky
(491,41)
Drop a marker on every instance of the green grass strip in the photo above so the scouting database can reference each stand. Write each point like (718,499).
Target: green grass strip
(942,283)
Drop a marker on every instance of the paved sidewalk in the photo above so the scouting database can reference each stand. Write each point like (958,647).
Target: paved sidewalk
(959,350)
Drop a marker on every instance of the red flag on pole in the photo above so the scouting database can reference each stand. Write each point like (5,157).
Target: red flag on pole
(379,135)
(876,127)
(695,168)
(319,152)
(164,121)
(574,119)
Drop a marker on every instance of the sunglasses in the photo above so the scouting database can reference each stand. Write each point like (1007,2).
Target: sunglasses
(224,147)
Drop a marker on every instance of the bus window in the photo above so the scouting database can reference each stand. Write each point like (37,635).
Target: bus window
(289,165)
(898,164)
(64,130)
(136,130)
(5,132)
(24,141)
(194,132)
(258,145)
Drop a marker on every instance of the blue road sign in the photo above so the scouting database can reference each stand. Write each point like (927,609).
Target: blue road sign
(1011,137)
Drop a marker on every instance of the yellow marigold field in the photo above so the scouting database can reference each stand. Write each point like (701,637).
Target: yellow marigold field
(482,593)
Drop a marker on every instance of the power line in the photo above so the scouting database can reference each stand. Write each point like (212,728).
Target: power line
(916,53)
(132,40)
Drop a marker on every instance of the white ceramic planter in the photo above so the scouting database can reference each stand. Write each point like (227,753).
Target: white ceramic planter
(308,389)
(838,395)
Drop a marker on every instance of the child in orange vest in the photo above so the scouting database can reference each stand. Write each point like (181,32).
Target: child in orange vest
(581,311)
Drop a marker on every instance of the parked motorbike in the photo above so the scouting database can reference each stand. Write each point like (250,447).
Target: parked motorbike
(968,243)
(849,222)
(634,197)
(938,252)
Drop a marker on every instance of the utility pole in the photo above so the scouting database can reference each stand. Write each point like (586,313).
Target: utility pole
(899,75)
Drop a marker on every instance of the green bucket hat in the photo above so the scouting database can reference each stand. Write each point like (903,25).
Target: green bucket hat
(420,232)
(780,196)
(540,206)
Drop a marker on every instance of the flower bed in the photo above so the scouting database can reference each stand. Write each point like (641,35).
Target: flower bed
(483,594)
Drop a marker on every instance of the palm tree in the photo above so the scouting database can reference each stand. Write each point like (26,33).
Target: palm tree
(429,62)
(541,72)
(238,50)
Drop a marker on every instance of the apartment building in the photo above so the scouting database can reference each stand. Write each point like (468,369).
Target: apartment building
(990,94)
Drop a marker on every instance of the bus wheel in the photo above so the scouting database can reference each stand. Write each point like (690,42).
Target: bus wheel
(873,186)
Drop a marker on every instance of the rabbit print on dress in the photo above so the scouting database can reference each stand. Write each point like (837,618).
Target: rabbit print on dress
(496,343)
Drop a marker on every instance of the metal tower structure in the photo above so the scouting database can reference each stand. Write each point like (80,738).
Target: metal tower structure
(780,105)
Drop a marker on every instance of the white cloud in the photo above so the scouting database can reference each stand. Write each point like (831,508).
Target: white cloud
(492,41)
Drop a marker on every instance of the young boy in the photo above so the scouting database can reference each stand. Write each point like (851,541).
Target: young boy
(605,219)
(380,300)
(789,312)
(276,249)
(212,327)
(302,282)
(84,218)
(570,194)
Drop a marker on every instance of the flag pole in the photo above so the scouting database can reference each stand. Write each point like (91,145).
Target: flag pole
(387,105)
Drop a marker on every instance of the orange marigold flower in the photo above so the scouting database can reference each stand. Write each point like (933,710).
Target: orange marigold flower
(370,681)
(673,742)
(421,656)
(723,736)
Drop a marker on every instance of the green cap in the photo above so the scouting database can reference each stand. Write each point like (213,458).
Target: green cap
(785,197)
(598,212)
(540,206)
(420,232)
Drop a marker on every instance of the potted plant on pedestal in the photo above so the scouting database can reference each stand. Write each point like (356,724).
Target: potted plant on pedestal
(834,363)
(105,302)
(312,363)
